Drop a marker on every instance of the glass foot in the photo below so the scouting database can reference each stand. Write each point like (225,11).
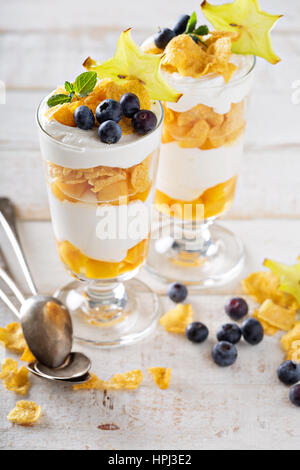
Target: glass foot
(214,259)
(112,317)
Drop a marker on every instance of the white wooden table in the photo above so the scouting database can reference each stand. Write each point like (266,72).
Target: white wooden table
(42,44)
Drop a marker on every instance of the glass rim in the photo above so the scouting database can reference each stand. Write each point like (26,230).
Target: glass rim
(107,146)
(200,80)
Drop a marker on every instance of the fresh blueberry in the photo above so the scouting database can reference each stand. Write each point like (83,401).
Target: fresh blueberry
(289,372)
(197,332)
(84,118)
(109,132)
(252,331)
(181,24)
(177,292)
(109,110)
(295,395)
(224,354)
(163,37)
(229,332)
(144,121)
(236,308)
(130,104)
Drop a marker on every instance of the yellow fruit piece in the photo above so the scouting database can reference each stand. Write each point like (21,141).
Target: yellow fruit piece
(13,379)
(130,62)
(293,335)
(25,413)
(279,317)
(161,376)
(127,381)
(265,285)
(13,338)
(268,329)
(288,276)
(251,23)
(27,356)
(177,319)
(294,352)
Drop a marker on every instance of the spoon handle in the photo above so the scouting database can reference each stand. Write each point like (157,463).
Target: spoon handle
(7,220)
(12,285)
(9,304)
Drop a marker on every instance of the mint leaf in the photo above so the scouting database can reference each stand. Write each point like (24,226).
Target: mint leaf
(85,83)
(202,30)
(69,87)
(58,99)
(192,23)
(197,39)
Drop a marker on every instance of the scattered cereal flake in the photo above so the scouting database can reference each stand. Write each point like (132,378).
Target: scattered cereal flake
(265,285)
(13,379)
(161,376)
(27,356)
(290,337)
(294,352)
(13,338)
(25,413)
(128,381)
(177,319)
(268,329)
(279,317)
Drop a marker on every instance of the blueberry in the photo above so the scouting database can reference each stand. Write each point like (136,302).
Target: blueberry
(295,395)
(109,110)
(109,132)
(252,331)
(144,121)
(130,104)
(289,372)
(177,292)
(163,37)
(229,332)
(224,354)
(236,308)
(84,118)
(197,332)
(181,24)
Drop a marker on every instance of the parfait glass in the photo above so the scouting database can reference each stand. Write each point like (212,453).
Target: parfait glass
(200,159)
(100,199)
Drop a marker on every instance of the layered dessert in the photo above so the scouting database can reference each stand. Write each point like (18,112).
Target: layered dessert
(100,140)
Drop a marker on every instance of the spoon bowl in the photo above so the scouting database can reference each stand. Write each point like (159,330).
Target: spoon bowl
(76,366)
(76,381)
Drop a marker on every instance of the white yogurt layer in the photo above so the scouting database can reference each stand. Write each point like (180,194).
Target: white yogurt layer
(103,233)
(211,90)
(184,174)
(75,148)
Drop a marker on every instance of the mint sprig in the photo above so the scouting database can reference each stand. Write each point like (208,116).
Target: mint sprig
(194,32)
(83,86)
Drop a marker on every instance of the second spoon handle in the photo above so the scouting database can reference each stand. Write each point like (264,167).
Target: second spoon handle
(9,304)
(7,220)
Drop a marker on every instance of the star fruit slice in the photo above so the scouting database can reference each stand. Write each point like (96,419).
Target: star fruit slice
(130,61)
(289,277)
(253,24)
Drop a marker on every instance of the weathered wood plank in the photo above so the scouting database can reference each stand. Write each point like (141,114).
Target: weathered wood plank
(69,14)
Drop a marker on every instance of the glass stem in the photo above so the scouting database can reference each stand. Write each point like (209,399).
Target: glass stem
(105,300)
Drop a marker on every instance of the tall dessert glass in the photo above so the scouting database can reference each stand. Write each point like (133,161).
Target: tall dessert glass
(100,200)
(201,155)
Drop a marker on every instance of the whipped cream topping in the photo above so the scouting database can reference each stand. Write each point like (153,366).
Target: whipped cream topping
(184,174)
(75,148)
(211,90)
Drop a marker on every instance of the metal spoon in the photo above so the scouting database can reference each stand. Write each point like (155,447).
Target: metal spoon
(46,322)
(79,380)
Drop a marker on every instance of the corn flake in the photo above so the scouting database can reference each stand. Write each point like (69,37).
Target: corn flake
(294,352)
(177,319)
(279,317)
(161,376)
(13,379)
(268,329)
(265,285)
(25,413)
(293,335)
(13,338)
(27,356)
(127,381)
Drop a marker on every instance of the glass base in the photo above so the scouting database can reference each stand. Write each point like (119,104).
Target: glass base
(214,259)
(111,315)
